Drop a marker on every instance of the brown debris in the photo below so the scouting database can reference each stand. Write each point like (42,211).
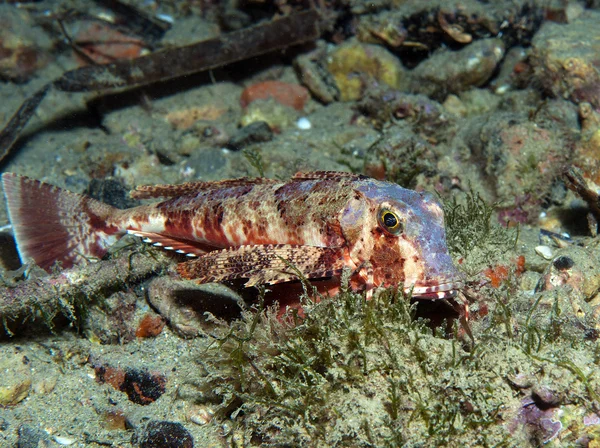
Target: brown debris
(62,292)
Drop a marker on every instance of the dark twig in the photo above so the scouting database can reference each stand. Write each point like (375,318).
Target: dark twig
(11,131)
(575,181)
(172,63)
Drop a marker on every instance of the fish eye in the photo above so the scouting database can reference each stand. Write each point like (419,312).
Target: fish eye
(390,221)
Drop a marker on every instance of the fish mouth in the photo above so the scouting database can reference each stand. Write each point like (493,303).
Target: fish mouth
(444,290)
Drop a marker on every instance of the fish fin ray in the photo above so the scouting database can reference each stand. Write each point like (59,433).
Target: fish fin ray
(169,243)
(55,225)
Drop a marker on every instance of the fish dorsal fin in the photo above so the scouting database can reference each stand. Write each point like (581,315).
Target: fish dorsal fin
(313,175)
(170,191)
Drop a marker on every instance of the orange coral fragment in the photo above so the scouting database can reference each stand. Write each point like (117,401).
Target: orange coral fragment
(150,326)
(496,275)
(520,265)
(292,95)
(500,273)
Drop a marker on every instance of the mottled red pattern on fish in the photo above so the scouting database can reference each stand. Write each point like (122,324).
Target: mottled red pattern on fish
(262,230)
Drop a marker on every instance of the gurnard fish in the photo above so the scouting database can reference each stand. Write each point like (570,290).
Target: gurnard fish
(262,230)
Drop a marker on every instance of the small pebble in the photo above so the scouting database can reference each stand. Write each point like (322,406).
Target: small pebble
(591,419)
(544,251)
(66,441)
(165,18)
(162,434)
(563,263)
(256,132)
(303,123)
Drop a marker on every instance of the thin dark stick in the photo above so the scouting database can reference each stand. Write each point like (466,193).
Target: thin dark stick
(201,56)
(172,63)
(13,128)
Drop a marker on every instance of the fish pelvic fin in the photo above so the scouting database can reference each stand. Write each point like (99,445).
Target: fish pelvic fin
(54,225)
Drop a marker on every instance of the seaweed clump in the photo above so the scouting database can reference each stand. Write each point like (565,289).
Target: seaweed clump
(472,235)
(351,372)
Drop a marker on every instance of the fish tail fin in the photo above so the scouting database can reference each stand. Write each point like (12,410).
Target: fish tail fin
(54,225)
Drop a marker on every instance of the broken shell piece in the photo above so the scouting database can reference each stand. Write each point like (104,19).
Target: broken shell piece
(544,251)
(454,30)
(201,415)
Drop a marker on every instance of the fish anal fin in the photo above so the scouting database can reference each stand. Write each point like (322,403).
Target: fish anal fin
(265,264)
(170,191)
(169,243)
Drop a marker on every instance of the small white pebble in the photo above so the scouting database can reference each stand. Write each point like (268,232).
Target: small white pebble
(64,440)
(166,18)
(544,251)
(303,123)
(106,17)
(502,89)
(187,171)
(225,151)
(543,215)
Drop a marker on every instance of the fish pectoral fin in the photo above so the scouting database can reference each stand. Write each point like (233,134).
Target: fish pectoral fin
(266,264)
(168,243)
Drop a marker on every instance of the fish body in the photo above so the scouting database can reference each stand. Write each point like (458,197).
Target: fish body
(263,230)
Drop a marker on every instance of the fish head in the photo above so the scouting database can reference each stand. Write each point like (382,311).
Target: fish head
(399,234)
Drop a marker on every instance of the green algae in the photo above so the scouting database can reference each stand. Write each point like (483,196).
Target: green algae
(352,369)
(473,236)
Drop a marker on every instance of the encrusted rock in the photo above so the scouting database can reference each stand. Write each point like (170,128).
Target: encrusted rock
(16,379)
(183,303)
(141,386)
(256,132)
(576,267)
(455,71)
(317,79)
(24,48)
(565,58)
(354,66)
(270,111)
(520,160)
